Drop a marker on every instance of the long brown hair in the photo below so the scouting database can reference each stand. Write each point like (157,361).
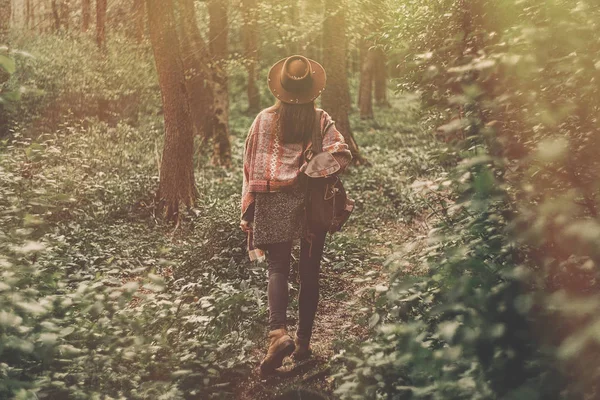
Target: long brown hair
(296,121)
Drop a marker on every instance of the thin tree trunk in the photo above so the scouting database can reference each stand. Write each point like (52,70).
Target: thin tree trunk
(250,38)
(65,12)
(27,13)
(139,17)
(32,15)
(86,15)
(5,16)
(381,98)
(101,6)
(336,97)
(380,14)
(196,59)
(218,32)
(56,15)
(5,19)
(365,90)
(177,170)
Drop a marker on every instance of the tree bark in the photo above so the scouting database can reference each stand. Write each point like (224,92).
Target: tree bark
(101,6)
(196,59)
(218,32)
(5,19)
(56,15)
(380,74)
(5,15)
(86,15)
(32,15)
(139,17)
(27,13)
(250,39)
(65,12)
(336,97)
(177,170)
(365,89)
(380,16)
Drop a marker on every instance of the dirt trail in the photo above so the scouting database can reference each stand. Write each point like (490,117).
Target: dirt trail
(345,306)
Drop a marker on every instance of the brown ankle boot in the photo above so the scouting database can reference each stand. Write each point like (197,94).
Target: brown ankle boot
(281,345)
(303,350)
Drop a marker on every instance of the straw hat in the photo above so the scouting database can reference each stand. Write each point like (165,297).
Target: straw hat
(296,80)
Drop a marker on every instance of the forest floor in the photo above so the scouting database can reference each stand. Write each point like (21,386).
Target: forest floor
(391,214)
(88,191)
(343,317)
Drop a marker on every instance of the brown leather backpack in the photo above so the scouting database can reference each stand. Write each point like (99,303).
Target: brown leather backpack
(327,204)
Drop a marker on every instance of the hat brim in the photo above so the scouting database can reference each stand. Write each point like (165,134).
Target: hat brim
(319,78)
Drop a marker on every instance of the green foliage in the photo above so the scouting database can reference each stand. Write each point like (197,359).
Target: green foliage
(97,300)
(510,305)
(67,79)
(10,92)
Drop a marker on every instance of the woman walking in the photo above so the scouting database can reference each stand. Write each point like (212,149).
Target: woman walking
(273,197)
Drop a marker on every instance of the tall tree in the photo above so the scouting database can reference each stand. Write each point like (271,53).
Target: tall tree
(27,13)
(176,184)
(367,71)
(196,60)
(86,14)
(336,97)
(5,14)
(65,13)
(250,38)
(55,15)
(139,16)
(380,77)
(5,17)
(101,23)
(218,32)
(380,13)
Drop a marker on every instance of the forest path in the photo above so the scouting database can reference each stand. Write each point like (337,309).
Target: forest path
(354,277)
(344,315)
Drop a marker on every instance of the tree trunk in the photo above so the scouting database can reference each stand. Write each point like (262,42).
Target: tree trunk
(177,170)
(101,23)
(138,16)
(32,22)
(336,97)
(250,38)
(218,32)
(65,12)
(56,15)
(86,15)
(5,15)
(381,78)
(380,15)
(27,13)
(365,89)
(196,59)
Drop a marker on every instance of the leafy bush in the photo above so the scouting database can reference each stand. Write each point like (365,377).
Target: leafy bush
(98,299)
(67,79)
(509,308)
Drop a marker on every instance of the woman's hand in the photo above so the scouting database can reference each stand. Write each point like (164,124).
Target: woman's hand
(245,226)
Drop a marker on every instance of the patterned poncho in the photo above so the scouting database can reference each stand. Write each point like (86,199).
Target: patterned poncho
(271,165)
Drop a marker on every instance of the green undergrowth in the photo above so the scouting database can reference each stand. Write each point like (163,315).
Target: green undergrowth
(101,298)
(401,147)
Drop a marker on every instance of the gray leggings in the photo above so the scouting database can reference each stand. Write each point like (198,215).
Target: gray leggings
(278,259)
